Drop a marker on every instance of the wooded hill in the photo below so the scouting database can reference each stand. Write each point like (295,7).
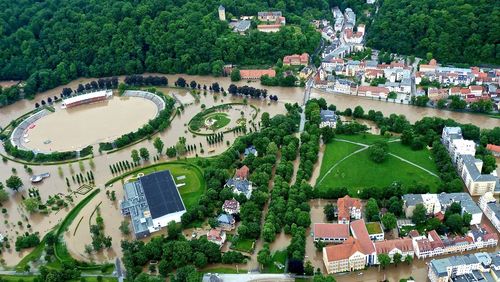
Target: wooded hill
(48,43)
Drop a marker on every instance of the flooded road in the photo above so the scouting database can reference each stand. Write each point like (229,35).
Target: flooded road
(56,184)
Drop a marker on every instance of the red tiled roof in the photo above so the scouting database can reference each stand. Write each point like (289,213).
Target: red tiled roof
(257,73)
(215,234)
(331,230)
(494,148)
(424,245)
(231,204)
(455,90)
(373,89)
(268,26)
(476,88)
(303,58)
(359,231)
(242,172)
(344,206)
(439,216)
(342,251)
(414,233)
(403,244)
(436,240)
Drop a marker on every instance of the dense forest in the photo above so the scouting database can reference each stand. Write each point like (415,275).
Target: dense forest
(48,43)
(465,31)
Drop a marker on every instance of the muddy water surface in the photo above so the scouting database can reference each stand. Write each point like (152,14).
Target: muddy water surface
(412,113)
(75,128)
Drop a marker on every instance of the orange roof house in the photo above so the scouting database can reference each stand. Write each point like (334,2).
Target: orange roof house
(494,149)
(296,60)
(348,207)
(243,172)
(331,232)
(256,74)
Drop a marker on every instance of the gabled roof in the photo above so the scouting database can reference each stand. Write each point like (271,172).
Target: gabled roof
(225,218)
(402,244)
(231,204)
(360,232)
(493,148)
(331,230)
(243,172)
(345,204)
(343,251)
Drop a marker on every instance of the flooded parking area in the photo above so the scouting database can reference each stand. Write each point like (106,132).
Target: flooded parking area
(75,128)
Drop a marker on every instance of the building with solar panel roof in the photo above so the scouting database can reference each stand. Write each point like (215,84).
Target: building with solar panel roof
(152,202)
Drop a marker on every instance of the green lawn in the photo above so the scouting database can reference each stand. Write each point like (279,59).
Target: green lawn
(365,138)
(195,183)
(373,228)
(358,171)
(221,120)
(280,257)
(17,278)
(334,152)
(422,157)
(243,245)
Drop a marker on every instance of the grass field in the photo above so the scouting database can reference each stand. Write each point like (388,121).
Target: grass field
(365,138)
(221,120)
(243,245)
(422,158)
(358,171)
(280,257)
(373,228)
(195,183)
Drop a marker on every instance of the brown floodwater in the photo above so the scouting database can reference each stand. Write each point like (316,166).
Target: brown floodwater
(412,113)
(75,128)
(56,184)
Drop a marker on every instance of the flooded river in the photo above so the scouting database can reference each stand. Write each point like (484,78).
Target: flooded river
(131,120)
(412,113)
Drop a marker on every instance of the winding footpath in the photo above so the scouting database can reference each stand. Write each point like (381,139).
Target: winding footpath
(364,147)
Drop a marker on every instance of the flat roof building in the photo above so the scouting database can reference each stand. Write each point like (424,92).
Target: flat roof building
(152,202)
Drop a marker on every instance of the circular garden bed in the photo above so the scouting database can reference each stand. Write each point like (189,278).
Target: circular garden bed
(221,118)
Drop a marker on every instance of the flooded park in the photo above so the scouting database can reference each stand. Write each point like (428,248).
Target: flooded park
(71,129)
(75,128)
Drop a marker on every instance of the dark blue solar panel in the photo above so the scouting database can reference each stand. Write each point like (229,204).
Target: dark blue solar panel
(161,193)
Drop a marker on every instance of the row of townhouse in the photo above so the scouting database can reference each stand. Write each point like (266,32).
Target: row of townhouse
(398,75)
(358,251)
(470,94)
(433,245)
(462,153)
(436,204)
(491,209)
(456,76)
(479,266)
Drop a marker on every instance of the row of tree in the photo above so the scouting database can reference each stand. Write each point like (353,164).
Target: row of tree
(140,80)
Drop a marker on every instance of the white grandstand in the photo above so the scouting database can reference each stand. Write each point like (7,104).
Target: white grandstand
(86,98)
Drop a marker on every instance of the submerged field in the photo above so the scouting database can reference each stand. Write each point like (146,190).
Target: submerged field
(348,165)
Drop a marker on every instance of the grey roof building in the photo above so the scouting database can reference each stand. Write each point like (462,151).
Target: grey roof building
(472,267)
(152,202)
(240,26)
(240,186)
